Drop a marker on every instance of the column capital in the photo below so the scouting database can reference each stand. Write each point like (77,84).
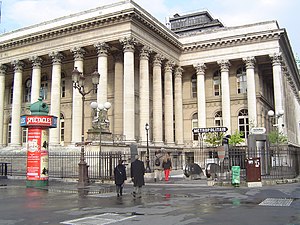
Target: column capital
(128,43)
(249,62)
(276,58)
(200,68)
(224,65)
(145,52)
(78,53)
(169,66)
(178,72)
(157,59)
(102,48)
(18,65)
(56,57)
(36,61)
(3,69)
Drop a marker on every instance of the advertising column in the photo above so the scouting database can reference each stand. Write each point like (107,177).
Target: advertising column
(38,125)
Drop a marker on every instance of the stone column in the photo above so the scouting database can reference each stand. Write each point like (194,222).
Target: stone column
(36,78)
(102,50)
(54,137)
(178,106)
(201,99)
(251,92)
(157,101)
(226,112)
(169,126)
(278,87)
(77,98)
(144,92)
(17,103)
(3,69)
(118,95)
(129,103)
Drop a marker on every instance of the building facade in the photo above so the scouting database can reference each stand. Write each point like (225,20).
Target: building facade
(192,73)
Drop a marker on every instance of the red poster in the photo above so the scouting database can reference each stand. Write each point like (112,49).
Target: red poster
(37,154)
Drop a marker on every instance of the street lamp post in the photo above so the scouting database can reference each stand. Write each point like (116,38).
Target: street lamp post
(78,83)
(101,118)
(148,170)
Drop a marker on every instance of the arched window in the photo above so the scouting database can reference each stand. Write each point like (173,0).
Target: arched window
(63,85)
(243,122)
(217,83)
(241,80)
(195,125)
(27,91)
(62,129)
(44,87)
(194,86)
(218,119)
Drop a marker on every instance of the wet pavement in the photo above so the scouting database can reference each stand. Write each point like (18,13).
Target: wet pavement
(179,201)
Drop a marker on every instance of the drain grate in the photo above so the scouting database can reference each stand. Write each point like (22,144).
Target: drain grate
(102,219)
(277,202)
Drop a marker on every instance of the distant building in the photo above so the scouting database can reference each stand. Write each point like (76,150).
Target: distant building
(197,74)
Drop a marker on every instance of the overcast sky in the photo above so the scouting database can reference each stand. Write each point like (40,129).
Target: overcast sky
(20,13)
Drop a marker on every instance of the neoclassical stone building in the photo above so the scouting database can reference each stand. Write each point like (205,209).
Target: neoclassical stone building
(192,72)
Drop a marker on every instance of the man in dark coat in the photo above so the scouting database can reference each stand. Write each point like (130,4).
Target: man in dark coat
(120,177)
(137,175)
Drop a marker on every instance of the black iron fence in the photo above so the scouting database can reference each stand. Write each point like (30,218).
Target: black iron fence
(276,163)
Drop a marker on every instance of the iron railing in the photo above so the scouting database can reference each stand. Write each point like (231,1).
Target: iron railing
(278,162)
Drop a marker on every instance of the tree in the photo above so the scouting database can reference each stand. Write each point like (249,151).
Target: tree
(276,137)
(236,138)
(214,138)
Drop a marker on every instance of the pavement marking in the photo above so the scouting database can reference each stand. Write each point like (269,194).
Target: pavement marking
(104,195)
(106,218)
(276,202)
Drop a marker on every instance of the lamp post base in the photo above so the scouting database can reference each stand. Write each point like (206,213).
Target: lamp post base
(148,170)
(83,175)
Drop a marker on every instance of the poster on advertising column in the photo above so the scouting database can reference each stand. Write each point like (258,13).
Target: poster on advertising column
(44,164)
(33,153)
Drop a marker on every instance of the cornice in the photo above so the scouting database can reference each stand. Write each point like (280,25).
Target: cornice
(73,28)
(90,24)
(232,41)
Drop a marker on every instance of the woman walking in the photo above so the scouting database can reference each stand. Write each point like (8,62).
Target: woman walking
(120,177)
(167,166)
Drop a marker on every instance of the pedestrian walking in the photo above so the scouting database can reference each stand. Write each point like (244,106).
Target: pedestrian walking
(167,166)
(120,177)
(137,175)
(158,169)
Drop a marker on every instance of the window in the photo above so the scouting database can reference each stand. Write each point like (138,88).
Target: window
(241,79)
(217,83)
(11,94)
(218,119)
(44,87)
(24,135)
(194,86)
(62,128)
(9,131)
(195,125)
(27,91)
(63,85)
(243,122)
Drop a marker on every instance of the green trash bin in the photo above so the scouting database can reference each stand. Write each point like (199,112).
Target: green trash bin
(236,171)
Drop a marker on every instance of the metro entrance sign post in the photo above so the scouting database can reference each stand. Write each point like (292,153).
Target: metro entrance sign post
(38,124)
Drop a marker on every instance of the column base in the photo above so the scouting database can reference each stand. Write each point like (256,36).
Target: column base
(37,183)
